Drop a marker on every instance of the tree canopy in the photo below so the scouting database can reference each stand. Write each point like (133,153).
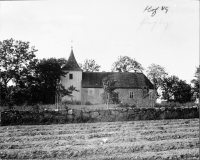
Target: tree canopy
(48,72)
(33,80)
(89,65)
(196,82)
(17,60)
(17,64)
(174,89)
(25,79)
(126,64)
(156,74)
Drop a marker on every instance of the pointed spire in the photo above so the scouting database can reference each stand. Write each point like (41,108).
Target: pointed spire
(72,63)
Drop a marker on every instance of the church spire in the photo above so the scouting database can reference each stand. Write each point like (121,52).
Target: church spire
(72,63)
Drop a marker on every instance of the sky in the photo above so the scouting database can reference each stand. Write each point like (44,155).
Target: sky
(164,32)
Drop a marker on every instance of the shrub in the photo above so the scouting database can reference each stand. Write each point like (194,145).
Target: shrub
(67,102)
(88,103)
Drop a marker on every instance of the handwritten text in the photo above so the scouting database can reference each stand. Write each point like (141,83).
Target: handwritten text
(154,10)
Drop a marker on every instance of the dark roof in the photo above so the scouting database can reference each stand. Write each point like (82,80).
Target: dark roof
(124,79)
(71,63)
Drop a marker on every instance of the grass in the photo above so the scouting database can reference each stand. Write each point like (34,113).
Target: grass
(156,139)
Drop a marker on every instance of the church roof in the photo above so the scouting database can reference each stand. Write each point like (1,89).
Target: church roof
(123,79)
(72,63)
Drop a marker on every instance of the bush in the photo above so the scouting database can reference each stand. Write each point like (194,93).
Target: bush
(88,103)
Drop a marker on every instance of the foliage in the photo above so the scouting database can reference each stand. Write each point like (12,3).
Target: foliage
(88,103)
(156,74)
(109,91)
(196,82)
(49,72)
(126,64)
(17,65)
(176,90)
(33,81)
(90,66)
(17,60)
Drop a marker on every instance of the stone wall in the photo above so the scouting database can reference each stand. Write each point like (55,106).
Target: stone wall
(81,116)
(135,114)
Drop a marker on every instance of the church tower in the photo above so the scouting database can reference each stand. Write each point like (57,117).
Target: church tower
(73,77)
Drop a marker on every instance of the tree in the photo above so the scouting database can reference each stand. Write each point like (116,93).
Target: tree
(176,90)
(126,64)
(183,92)
(48,73)
(44,85)
(17,63)
(196,82)
(109,87)
(90,66)
(156,74)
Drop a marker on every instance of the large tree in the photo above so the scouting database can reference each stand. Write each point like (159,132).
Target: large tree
(48,73)
(126,64)
(90,65)
(174,89)
(17,59)
(156,74)
(17,63)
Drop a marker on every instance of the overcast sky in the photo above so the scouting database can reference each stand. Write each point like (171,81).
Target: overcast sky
(105,29)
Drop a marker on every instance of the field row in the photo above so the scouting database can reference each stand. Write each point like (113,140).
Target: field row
(98,127)
(132,135)
(168,139)
(100,132)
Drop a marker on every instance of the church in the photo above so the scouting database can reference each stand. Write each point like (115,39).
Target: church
(132,87)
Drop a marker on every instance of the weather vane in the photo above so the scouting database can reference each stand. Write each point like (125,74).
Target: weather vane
(71,45)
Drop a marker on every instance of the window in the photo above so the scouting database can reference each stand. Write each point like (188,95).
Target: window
(70,76)
(131,94)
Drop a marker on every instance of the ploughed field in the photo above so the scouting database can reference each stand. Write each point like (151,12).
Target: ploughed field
(159,139)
